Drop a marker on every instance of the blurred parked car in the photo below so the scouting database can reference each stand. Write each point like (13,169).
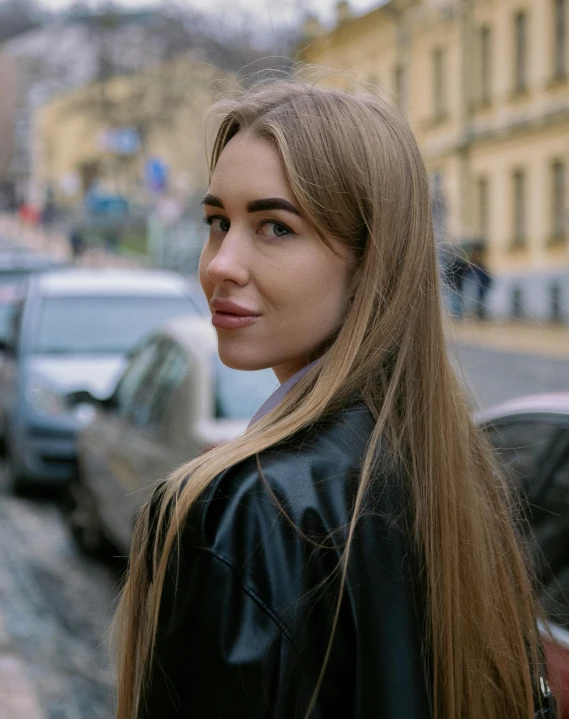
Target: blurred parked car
(73,330)
(175,400)
(9,297)
(531,437)
(17,264)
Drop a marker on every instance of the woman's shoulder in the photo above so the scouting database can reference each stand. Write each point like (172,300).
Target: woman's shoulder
(307,482)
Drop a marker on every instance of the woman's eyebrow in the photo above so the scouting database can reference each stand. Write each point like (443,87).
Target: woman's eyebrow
(269,203)
(272,203)
(213,201)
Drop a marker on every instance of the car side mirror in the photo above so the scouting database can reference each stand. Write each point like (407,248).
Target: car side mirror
(83,396)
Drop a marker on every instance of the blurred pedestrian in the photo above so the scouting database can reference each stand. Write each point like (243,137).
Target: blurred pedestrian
(455,270)
(482,280)
(351,554)
(76,242)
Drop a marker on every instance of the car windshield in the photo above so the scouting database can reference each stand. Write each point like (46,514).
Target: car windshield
(239,394)
(102,325)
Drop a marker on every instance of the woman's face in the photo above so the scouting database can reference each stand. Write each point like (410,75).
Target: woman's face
(276,291)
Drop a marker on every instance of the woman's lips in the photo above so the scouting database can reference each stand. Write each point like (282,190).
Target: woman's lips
(229,315)
(227,321)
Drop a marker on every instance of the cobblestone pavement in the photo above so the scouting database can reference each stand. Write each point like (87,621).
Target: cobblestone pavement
(55,607)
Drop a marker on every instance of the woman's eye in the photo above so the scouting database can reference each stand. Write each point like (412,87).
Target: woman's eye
(217,224)
(274,229)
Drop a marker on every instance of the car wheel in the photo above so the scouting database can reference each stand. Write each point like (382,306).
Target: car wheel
(84,520)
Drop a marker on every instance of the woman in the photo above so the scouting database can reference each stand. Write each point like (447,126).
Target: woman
(351,555)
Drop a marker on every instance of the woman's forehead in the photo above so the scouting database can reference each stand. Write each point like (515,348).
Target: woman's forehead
(250,167)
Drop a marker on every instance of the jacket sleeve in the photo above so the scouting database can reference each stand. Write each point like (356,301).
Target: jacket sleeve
(220,652)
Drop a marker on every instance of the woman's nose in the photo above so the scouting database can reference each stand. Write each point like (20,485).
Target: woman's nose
(229,262)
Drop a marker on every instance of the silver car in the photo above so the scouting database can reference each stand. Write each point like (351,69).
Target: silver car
(174,401)
(73,331)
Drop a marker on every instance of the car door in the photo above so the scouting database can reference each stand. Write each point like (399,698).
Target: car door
(528,448)
(102,457)
(524,446)
(148,452)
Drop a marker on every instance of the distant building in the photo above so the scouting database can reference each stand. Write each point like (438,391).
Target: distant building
(37,65)
(140,136)
(485,86)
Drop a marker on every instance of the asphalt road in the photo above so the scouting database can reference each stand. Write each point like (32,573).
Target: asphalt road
(495,377)
(56,604)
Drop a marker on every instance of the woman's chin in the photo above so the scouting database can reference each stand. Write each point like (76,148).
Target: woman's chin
(243,360)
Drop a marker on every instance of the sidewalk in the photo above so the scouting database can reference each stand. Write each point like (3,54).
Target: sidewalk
(18,698)
(56,244)
(514,336)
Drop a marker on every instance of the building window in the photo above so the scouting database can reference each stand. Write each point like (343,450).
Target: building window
(483,208)
(520,59)
(399,87)
(485,64)
(558,183)
(438,83)
(519,194)
(560,39)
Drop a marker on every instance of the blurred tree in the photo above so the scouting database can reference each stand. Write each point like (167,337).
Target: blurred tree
(18,16)
(149,47)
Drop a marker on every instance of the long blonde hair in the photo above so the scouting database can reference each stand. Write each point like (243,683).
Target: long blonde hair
(357,173)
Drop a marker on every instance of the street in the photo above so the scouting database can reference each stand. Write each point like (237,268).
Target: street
(497,376)
(55,603)
(55,606)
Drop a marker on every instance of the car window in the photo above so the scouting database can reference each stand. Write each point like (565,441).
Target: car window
(167,373)
(6,314)
(135,376)
(555,498)
(552,536)
(102,325)
(520,444)
(14,325)
(239,394)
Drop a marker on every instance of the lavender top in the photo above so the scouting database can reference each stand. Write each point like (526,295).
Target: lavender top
(272,401)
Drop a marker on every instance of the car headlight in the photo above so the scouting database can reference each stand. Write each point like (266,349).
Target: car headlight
(44,398)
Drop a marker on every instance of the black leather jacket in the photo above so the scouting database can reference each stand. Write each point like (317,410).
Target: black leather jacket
(245,622)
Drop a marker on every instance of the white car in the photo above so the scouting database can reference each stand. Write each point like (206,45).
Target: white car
(174,401)
(73,330)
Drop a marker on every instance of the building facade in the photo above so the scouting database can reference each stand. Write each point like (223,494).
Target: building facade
(485,86)
(42,63)
(140,136)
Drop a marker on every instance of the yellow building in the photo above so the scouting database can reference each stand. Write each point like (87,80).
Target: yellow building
(485,86)
(108,133)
